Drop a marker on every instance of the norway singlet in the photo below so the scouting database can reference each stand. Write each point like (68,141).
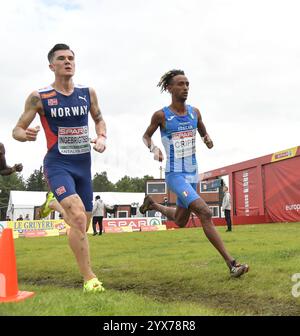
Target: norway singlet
(67,164)
(179,140)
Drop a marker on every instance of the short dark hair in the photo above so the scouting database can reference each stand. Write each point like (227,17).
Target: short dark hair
(97,197)
(58,46)
(167,77)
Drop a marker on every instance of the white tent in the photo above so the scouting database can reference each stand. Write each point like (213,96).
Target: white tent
(23,202)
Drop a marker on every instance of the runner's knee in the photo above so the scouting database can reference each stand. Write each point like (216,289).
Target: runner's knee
(78,221)
(205,214)
(181,223)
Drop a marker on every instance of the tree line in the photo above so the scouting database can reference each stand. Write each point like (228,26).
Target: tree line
(36,182)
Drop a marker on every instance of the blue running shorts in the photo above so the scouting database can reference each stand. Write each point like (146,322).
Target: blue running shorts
(184,185)
(66,179)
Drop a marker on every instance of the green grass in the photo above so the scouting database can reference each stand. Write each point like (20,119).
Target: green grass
(169,273)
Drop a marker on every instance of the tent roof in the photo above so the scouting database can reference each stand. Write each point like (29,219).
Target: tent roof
(35,198)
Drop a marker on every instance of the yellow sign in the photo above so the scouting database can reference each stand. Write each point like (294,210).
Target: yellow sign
(38,228)
(285,154)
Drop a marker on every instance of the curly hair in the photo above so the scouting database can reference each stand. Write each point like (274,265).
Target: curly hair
(167,77)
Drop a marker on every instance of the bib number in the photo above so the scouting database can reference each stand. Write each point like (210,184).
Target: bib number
(73,140)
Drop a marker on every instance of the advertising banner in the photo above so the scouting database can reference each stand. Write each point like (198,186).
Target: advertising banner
(38,228)
(134,223)
(245,193)
(282,190)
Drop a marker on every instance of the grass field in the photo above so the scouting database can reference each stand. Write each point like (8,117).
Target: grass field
(170,273)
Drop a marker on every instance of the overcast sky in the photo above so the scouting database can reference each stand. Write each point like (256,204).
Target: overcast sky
(242,59)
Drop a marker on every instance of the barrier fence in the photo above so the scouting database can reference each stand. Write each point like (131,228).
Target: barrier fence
(57,227)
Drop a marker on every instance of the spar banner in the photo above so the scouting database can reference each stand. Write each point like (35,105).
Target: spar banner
(282,190)
(245,193)
(134,223)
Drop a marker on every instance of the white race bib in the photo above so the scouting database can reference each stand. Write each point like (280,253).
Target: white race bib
(184,143)
(73,140)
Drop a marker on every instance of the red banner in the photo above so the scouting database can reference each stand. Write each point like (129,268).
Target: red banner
(245,193)
(282,190)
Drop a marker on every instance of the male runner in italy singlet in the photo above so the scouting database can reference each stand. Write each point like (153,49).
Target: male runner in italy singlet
(179,124)
(63,108)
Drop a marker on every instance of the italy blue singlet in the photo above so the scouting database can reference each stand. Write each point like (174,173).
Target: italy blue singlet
(67,164)
(179,140)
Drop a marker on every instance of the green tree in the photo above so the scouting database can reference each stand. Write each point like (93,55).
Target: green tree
(132,184)
(101,183)
(7,183)
(36,181)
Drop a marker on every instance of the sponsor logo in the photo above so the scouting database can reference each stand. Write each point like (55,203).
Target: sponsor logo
(155,221)
(172,117)
(72,130)
(285,154)
(185,193)
(83,98)
(61,190)
(48,95)
(52,102)
(291,207)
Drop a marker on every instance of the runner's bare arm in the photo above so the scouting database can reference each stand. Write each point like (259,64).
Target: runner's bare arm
(157,120)
(4,168)
(202,130)
(100,125)
(21,131)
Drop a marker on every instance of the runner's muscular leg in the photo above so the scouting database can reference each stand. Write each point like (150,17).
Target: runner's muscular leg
(78,240)
(179,215)
(182,216)
(201,209)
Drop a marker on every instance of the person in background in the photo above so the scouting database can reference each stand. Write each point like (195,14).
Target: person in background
(98,214)
(226,207)
(6,170)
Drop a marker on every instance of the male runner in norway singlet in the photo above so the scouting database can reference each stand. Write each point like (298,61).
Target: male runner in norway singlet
(63,108)
(178,124)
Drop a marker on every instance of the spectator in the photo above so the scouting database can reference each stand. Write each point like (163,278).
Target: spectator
(20,218)
(98,213)
(226,207)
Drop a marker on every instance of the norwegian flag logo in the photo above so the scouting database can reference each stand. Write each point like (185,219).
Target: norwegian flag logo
(52,102)
(61,190)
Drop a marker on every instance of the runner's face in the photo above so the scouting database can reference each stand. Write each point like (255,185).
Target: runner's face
(63,63)
(179,87)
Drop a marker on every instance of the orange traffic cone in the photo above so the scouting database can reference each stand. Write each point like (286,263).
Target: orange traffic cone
(9,291)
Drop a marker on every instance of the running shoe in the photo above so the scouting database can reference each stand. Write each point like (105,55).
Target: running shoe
(148,201)
(45,210)
(236,269)
(93,286)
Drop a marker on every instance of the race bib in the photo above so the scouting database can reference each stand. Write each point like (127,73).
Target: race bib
(184,143)
(73,140)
